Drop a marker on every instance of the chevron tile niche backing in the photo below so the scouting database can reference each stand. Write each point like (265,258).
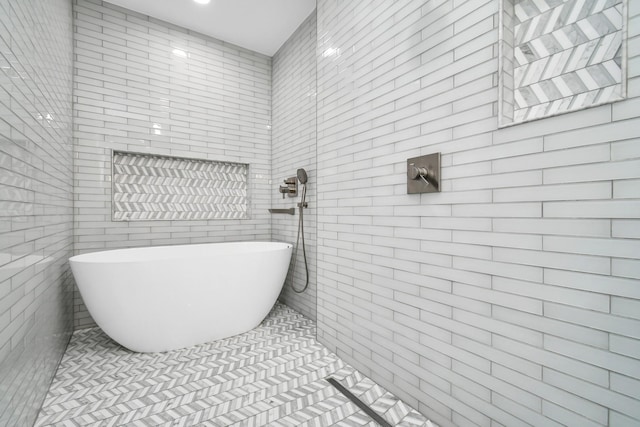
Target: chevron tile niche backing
(151,187)
(559,56)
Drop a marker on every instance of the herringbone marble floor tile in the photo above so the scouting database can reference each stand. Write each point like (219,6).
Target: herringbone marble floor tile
(273,375)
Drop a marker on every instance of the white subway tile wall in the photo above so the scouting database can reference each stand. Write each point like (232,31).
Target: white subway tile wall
(36,201)
(512,297)
(294,147)
(146,86)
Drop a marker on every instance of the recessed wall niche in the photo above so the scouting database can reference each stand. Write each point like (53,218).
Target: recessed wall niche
(151,187)
(558,56)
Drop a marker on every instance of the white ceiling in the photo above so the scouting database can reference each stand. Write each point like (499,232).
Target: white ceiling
(260,25)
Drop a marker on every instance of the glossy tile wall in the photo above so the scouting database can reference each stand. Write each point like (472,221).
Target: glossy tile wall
(511,297)
(293,147)
(143,85)
(36,203)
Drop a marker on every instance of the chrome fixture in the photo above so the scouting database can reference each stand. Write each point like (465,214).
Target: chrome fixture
(290,187)
(289,211)
(423,174)
(302,177)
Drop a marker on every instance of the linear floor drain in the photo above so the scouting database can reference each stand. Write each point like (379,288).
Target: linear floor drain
(359,403)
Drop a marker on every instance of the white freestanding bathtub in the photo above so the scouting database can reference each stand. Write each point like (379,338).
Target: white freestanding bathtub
(168,297)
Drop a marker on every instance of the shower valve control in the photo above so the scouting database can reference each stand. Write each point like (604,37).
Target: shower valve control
(423,174)
(290,187)
(417,172)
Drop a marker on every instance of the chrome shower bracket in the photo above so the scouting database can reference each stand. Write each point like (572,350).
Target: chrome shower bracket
(290,187)
(423,174)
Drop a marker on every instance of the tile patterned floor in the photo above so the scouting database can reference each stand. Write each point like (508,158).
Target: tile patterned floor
(270,376)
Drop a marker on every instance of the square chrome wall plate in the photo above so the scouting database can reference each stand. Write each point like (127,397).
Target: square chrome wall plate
(423,174)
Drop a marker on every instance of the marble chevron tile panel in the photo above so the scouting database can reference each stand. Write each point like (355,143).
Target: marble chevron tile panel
(561,55)
(273,375)
(152,187)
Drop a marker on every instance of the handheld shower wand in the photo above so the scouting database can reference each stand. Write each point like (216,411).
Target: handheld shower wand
(302,177)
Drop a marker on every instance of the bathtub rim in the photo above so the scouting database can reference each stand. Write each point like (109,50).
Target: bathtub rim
(179,251)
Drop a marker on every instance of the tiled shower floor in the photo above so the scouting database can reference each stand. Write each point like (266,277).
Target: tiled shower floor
(270,376)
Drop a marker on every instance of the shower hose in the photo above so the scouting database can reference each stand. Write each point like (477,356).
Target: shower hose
(304,251)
